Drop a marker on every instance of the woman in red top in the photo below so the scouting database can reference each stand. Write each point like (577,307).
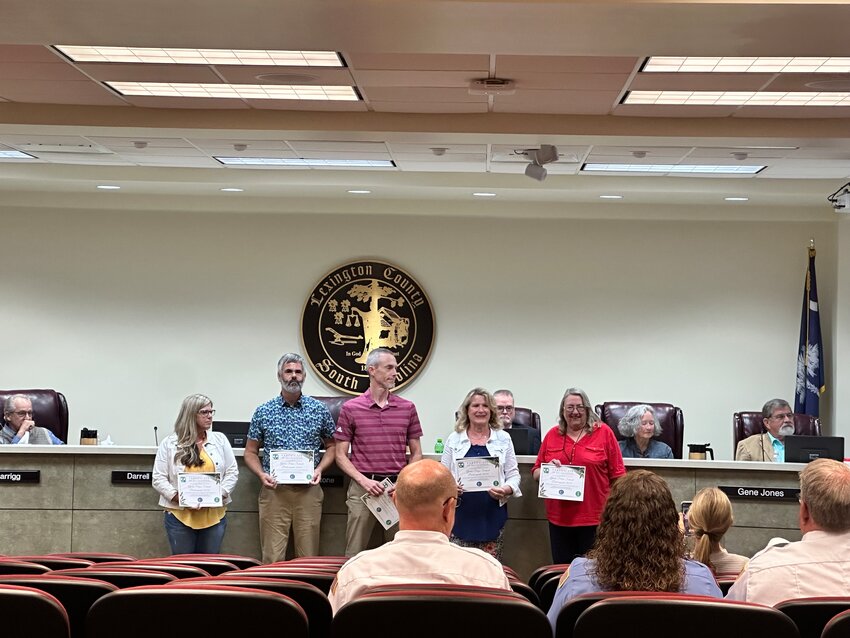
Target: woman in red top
(581,439)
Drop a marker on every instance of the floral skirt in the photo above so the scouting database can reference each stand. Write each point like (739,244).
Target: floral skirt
(494,547)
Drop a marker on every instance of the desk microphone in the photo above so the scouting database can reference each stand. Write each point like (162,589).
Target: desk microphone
(155,437)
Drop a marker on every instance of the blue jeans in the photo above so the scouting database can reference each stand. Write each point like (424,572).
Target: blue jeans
(185,540)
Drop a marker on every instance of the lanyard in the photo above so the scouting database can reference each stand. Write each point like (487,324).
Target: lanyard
(575,445)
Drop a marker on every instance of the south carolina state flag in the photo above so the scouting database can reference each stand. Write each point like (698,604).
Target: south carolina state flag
(810,383)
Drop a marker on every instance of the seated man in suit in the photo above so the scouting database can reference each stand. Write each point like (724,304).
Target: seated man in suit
(19,427)
(505,405)
(769,446)
(425,496)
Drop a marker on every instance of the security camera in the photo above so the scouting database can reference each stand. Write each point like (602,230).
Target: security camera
(536,171)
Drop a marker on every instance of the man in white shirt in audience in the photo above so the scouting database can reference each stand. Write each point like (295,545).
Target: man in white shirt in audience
(19,428)
(769,446)
(425,496)
(818,565)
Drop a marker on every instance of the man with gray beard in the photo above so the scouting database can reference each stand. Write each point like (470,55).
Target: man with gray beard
(778,418)
(290,421)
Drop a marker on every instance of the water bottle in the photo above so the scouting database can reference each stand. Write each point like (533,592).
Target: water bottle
(438,446)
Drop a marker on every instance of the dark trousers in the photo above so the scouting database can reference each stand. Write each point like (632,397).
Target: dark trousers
(569,542)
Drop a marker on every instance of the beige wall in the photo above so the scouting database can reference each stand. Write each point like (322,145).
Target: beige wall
(127,312)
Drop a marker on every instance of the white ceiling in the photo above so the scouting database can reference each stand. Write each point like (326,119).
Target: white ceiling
(412,62)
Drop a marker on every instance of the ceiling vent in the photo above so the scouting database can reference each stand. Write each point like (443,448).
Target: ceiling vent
(492,86)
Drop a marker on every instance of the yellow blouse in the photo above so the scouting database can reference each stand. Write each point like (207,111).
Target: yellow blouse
(206,516)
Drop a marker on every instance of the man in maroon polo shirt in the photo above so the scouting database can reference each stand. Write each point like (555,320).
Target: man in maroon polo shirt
(380,427)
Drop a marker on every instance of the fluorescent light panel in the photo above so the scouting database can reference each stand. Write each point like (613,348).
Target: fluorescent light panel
(237,91)
(685,64)
(241,57)
(278,161)
(16,155)
(739,98)
(728,169)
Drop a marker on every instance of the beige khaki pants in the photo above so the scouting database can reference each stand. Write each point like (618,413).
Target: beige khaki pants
(295,506)
(360,522)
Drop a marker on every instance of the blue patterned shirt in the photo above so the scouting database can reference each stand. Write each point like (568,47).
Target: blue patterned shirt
(280,426)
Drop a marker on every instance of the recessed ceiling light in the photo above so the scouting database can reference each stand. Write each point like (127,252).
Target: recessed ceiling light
(298,161)
(686,64)
(671,168)
(322,92)
(148,55)
(610,197)
(232,190)
(739,98)
(16,155)
(108,187)
(483,194)
(359,192)
(737,199)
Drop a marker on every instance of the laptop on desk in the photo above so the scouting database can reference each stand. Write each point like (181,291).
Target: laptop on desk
(235,431)
(802,449)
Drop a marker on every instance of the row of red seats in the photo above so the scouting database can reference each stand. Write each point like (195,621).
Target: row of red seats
(96,599)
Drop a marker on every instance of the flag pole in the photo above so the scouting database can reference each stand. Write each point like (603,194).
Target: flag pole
(812,253)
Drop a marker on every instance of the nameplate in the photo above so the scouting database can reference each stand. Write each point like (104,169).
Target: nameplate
(760,493)
(131,477)
(332,481)
(20,476)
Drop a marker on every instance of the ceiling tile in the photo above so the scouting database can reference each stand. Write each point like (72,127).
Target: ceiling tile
(509,65)
(285,75)
(29,53)
(699,81)
(572,81)
(810,82)
(117,72)
(557,102)
(55,92)
(663,110)
(367,79)
(428,107)
(417,94)
(419,61)
(38,71)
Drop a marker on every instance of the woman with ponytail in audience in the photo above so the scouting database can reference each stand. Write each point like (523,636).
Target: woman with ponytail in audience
(709,517)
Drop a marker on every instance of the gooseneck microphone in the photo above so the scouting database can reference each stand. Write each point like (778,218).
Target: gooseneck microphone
(155,437)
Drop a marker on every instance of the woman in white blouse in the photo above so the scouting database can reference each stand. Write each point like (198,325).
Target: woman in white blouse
(194,447)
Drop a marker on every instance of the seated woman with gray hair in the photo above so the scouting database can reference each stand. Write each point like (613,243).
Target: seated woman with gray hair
(639,425)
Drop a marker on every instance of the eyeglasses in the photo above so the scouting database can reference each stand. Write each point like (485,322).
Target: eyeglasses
(206,412)
(456,498)
(22,412)
(505,408)
(574,408)
(783,416)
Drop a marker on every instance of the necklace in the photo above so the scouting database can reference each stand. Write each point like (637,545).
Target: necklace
(478,438)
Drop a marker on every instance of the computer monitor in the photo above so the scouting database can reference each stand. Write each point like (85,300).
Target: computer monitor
(520,438)
(802,449)
(235,431)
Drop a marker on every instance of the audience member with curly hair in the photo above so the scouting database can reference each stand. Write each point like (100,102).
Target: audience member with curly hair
(709,518)
(639,547)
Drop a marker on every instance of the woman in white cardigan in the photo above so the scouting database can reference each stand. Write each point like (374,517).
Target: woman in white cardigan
(194,447)
(481,515)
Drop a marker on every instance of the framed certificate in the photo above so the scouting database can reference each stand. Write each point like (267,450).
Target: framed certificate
(564,483)
(478,474)
(199,489)
(382,507)
(291,466)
